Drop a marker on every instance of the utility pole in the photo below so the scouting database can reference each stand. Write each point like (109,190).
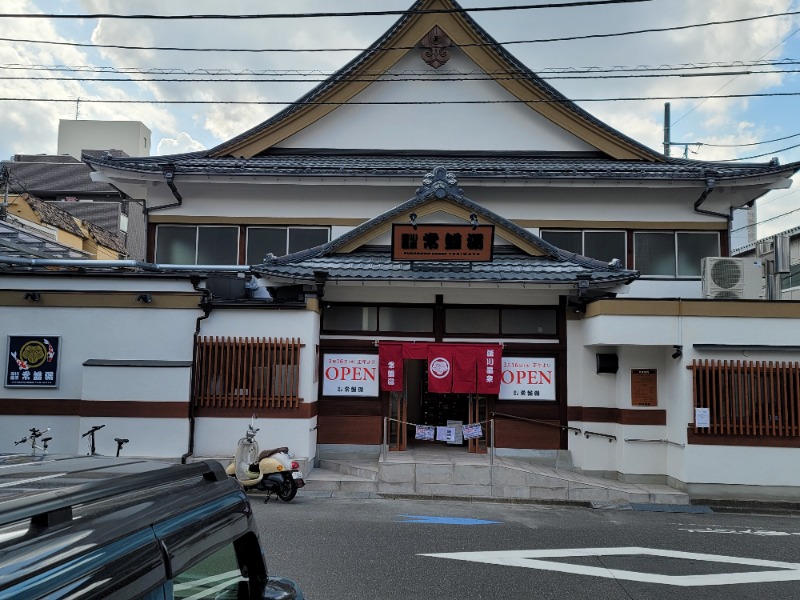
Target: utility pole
(667,142)
(4,204)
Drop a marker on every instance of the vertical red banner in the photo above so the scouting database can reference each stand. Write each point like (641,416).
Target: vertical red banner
(490,369)
(440,368)
(390,358)
(465,361)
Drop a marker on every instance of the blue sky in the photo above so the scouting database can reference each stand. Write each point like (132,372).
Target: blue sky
(723,126)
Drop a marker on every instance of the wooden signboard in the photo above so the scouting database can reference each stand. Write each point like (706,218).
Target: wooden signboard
(442,242)
(644,387)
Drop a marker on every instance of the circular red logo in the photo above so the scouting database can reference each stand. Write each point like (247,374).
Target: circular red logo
(439,367)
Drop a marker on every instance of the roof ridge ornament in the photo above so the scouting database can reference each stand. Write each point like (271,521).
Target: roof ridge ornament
(436,43)
(440,184)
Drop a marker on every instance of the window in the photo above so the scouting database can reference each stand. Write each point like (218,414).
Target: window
(791,280)
(350,318)
(528,321)
(673,254)
(282,240)
(190,245)
(601,245)
(406,319)
(217,576)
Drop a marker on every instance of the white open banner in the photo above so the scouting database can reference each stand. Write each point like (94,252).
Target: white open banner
(528,379)
(350,375)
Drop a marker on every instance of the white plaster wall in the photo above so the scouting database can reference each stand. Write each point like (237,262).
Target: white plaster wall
(743,465)
(362,199)
(217,437)
(664,288)
(105,333)
(140,383)
(502,125)
(157,438)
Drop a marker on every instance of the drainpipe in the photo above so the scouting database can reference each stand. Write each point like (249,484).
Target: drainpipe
(710,183)
(168,171)
(205,305)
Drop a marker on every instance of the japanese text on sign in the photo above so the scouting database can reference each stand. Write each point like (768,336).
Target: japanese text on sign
(350,375)
(528,379)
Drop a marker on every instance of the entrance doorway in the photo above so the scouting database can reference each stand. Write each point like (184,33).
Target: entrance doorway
(415,405)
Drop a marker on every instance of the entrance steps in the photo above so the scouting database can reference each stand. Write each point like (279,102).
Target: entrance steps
(460,474)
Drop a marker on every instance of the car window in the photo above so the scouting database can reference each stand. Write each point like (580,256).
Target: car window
(217,576)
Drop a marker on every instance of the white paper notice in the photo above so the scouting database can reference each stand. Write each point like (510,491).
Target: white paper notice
(446,434)
(702,417)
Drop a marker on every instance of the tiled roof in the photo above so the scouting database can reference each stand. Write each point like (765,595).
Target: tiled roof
(54,216)
(509,264)
(17,241)
(472,166)
(104,237)
(376,264)
(47,179)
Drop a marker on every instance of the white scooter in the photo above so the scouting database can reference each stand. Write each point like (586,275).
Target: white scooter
(272,471)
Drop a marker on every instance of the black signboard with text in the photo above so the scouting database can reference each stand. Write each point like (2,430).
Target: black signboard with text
(33,361)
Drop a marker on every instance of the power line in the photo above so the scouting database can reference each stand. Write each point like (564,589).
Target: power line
(394,79)
(378,72)
(437,11)
(767,220)
(771,153)
(402,102)
(476,44)
(780,139)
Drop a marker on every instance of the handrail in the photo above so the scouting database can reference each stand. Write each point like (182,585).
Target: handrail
(547,423)
(678,444)
(611,438)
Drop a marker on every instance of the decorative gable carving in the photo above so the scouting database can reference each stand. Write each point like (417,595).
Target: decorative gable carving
(436,45)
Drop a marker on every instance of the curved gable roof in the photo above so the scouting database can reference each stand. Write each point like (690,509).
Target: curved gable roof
(477,44)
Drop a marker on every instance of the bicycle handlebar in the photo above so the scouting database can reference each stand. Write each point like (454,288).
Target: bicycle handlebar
(92,430)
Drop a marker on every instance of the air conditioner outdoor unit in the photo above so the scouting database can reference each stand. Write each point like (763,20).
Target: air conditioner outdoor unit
(726,278)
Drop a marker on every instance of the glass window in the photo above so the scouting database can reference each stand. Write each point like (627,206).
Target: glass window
(472,320)
(217,246)
(528,321)
(282,240)
(176,245)
(566,240)
(692,248)
(602,245)
(350,318)
(301,238)
(605,245)
(188,245)
(654,253)
(394,318)
(265,240)
(217,576)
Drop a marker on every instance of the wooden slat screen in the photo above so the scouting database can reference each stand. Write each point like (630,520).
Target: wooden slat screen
(246,373)
(748,398)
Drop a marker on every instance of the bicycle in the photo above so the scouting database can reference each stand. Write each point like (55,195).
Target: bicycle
(34,435)
(92,451)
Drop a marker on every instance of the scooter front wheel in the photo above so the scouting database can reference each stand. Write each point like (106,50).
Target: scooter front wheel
(288,490)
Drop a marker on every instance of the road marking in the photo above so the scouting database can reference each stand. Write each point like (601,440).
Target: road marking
(531,559)
(444,520)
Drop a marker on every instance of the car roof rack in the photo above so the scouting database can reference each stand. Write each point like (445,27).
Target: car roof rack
(51,508)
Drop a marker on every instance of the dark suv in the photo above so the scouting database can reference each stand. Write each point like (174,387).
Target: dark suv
(101,527)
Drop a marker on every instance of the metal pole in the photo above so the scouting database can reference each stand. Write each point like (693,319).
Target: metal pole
(491,439)
(666,129)
(384,449)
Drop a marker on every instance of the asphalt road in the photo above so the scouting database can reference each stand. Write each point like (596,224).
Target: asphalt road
(382,549)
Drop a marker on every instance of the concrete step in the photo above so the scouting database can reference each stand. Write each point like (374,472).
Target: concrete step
(364,469)
(513,480)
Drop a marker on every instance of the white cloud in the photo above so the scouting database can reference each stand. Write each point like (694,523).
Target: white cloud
(178,145)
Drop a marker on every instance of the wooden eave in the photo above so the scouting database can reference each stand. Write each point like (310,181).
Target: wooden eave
(486,57)
(428,208)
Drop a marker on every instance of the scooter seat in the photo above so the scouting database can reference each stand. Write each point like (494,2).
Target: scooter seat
(268,453)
